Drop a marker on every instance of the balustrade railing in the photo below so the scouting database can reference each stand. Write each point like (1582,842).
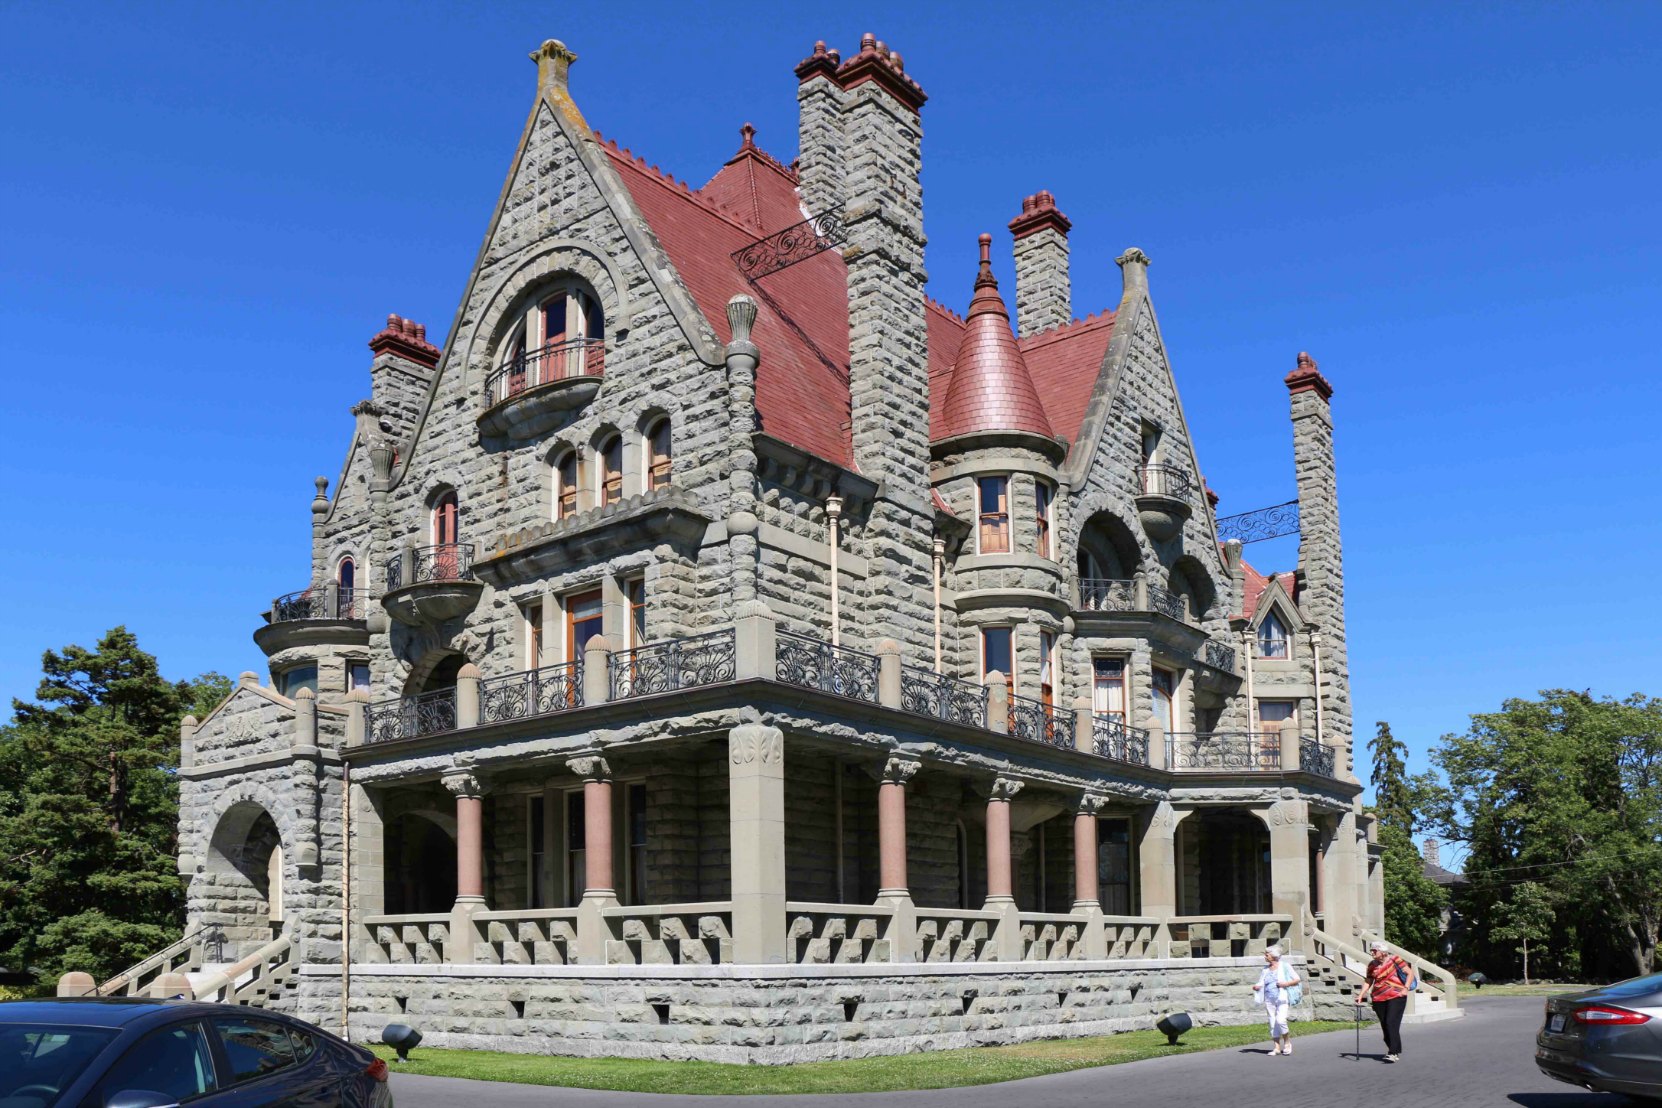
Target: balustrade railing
(530,937)
(1219,655)
(801,660)
(1164,480)
(410,716)
(316,603)
(707,659)
(955,935)
(415,939)
(1112,738)
(445,562)
(1037,721)
(670,934)
(836,934)
(1166,602)
(1316,757)
(1097,594)
(925,693)
(556,361)
(536,692)
(1223,750)
(1226,936)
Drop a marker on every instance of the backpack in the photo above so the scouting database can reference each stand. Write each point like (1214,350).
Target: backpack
(1405,975)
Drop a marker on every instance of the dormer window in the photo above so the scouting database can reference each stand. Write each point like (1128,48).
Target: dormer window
(1272,637)
(994,532)
(658,458)
(609,488)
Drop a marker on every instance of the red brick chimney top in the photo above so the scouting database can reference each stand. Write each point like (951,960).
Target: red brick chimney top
(821,62)
(876,62)
(407,339)
(1038,212)
(1307,378)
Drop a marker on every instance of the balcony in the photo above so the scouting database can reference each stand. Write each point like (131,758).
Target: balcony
(1224,751)
(322,615)
(532,693)
(430,713)
(431,584)
(1317,757)
(938,696)
(532,393)
(800,660)
(1112,738)
(671,666)
(1039,722)
(1166,500)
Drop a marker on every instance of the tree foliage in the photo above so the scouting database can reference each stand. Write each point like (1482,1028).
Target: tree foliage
(1413,902)
(1525,917)
(88,809)
(1564,792)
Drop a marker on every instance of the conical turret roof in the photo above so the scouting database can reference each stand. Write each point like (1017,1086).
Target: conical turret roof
(991,389)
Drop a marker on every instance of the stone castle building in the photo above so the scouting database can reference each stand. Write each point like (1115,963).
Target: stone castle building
(716,647)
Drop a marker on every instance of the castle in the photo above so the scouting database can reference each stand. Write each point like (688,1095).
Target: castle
(718,648)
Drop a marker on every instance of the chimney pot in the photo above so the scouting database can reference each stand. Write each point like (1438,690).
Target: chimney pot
(868,43)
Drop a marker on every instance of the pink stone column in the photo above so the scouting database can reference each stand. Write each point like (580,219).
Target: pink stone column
(891,827)
(597,837)
(1084,859)
(999,886)
(470,846)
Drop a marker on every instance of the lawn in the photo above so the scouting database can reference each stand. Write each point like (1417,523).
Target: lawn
(936,1070)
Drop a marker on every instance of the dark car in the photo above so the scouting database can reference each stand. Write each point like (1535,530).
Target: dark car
(120,1052)
(1607,1039)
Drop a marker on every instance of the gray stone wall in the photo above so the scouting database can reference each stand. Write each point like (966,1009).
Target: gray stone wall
(1044,290)
(1321,561)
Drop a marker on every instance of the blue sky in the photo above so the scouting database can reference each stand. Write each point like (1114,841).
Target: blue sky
(206,210)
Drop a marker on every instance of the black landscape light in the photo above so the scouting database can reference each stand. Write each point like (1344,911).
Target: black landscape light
(1477,980)
(1174,1024)
(402,1038)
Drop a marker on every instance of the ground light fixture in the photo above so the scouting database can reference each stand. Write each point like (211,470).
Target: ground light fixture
(402,1038)
(1171,1025)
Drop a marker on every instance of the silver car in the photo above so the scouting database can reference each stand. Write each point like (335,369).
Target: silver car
(1607,1039)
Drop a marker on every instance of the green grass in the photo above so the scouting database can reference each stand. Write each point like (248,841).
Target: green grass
(935,1070)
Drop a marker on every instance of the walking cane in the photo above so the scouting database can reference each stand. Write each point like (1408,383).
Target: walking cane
(1358,1006)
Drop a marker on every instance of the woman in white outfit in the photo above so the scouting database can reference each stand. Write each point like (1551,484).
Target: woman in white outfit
(1275,989)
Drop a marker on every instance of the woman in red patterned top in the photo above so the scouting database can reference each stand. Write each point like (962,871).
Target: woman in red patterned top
(1389,981)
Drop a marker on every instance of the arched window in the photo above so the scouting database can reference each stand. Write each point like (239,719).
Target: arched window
(609,479)
(658,456)
(565,485)
(1272,637)
(562,334)
(446,522)
(346,578)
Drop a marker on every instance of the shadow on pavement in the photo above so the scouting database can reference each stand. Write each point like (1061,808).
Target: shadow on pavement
(1571,1100)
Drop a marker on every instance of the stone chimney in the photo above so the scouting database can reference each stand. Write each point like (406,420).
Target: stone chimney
(401,372)
(819,99)
(1432,851)
(1044,290)
(1321,569)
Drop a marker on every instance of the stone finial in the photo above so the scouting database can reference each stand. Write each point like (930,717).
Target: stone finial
(747,136)
(76,983)
(752,609)
(469,672)
(741,317)
(1038,212)
(304,693)
(248,677)
(553,60)
(381,455)
(320,501)
(1133,270)
(1307,377)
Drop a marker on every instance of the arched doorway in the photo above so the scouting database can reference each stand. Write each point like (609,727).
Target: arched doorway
(245,873)
(1223,864)
(420,864)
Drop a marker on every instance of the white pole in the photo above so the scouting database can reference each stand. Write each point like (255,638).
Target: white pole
(834,512)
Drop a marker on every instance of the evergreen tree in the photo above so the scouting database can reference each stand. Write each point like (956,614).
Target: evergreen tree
(88,810)
(1413,902)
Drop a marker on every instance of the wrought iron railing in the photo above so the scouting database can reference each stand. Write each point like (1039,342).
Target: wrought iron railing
(1038,722)
(1166,602)
(407,717)
(706,659)
(1098,594)
(1223,750)
(796,243)
(536,692)
(801,660)
(1163,480)
(1316,757)
(935,694)
(557,361)
(1112,738)
(1264,523)
(1219,655)
(445,562)
(314,603)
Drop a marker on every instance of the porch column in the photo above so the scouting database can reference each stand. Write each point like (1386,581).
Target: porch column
(894,891)
(1289,826)
(1000,888)
(598,891)
(470,864)
(1343,894)
(1085,862)
(756,814)
(1157,867)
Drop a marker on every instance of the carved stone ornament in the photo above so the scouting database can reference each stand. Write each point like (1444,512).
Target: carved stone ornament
(1006,788)
(590,767)
(756,744)
(1286,814)
(1092,803)
(464,783)
(900,771)
(1163,819)
(1133,255)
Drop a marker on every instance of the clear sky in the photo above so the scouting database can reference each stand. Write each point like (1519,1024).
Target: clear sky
(207,209)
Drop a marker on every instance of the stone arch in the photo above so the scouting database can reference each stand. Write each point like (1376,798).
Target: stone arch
(1188,577)
(247,873)
(557,258)
(435,669)
(419,867)
(1223,862)
(1108,548)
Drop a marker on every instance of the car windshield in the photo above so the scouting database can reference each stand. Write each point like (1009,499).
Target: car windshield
(1638,986)
(39,1060)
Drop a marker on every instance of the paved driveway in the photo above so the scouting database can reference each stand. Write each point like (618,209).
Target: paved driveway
(1487,1058)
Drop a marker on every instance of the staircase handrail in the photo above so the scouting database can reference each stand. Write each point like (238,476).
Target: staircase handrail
(1321,939)
(221,985)
(130,976)
(1446,986)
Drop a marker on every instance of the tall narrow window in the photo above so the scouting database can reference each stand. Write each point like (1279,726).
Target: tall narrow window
(571,336)
(1272,637)
(610,453)
(537,853)
(996,654)
(1108,688)
(514,366)
(1047,667)
(1114,867)
(995,515)
(657,455)
(634,591)
(1043,497)
(533,635)
(446,523)
(1165,697)
(583,621)
(635,813)
(565,485)
(346,578)
(576,838)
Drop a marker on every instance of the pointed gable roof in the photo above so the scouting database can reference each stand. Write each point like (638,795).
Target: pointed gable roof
(990,388)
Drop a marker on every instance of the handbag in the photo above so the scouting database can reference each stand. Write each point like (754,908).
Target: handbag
(1295,993)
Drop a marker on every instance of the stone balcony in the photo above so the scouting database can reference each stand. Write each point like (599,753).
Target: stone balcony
(431,584)
(533,392)
(319,615)
(1139,608)
(1164,501)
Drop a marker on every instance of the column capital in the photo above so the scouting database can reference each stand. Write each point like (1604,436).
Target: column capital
(1005,788)
(464,783)
(590,767)
(900,770)
(1091,803)
(755,743)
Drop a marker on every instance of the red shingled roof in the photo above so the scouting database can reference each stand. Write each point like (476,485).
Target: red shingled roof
(990,388)
(801,327)
(1255,583)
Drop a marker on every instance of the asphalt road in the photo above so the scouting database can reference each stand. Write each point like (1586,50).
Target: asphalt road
(1487,1058)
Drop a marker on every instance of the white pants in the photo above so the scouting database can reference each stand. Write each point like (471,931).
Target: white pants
(1278,1017)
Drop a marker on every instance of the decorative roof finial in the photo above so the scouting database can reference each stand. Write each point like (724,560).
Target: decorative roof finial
(553,60)
(1308,378)
(747,136)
